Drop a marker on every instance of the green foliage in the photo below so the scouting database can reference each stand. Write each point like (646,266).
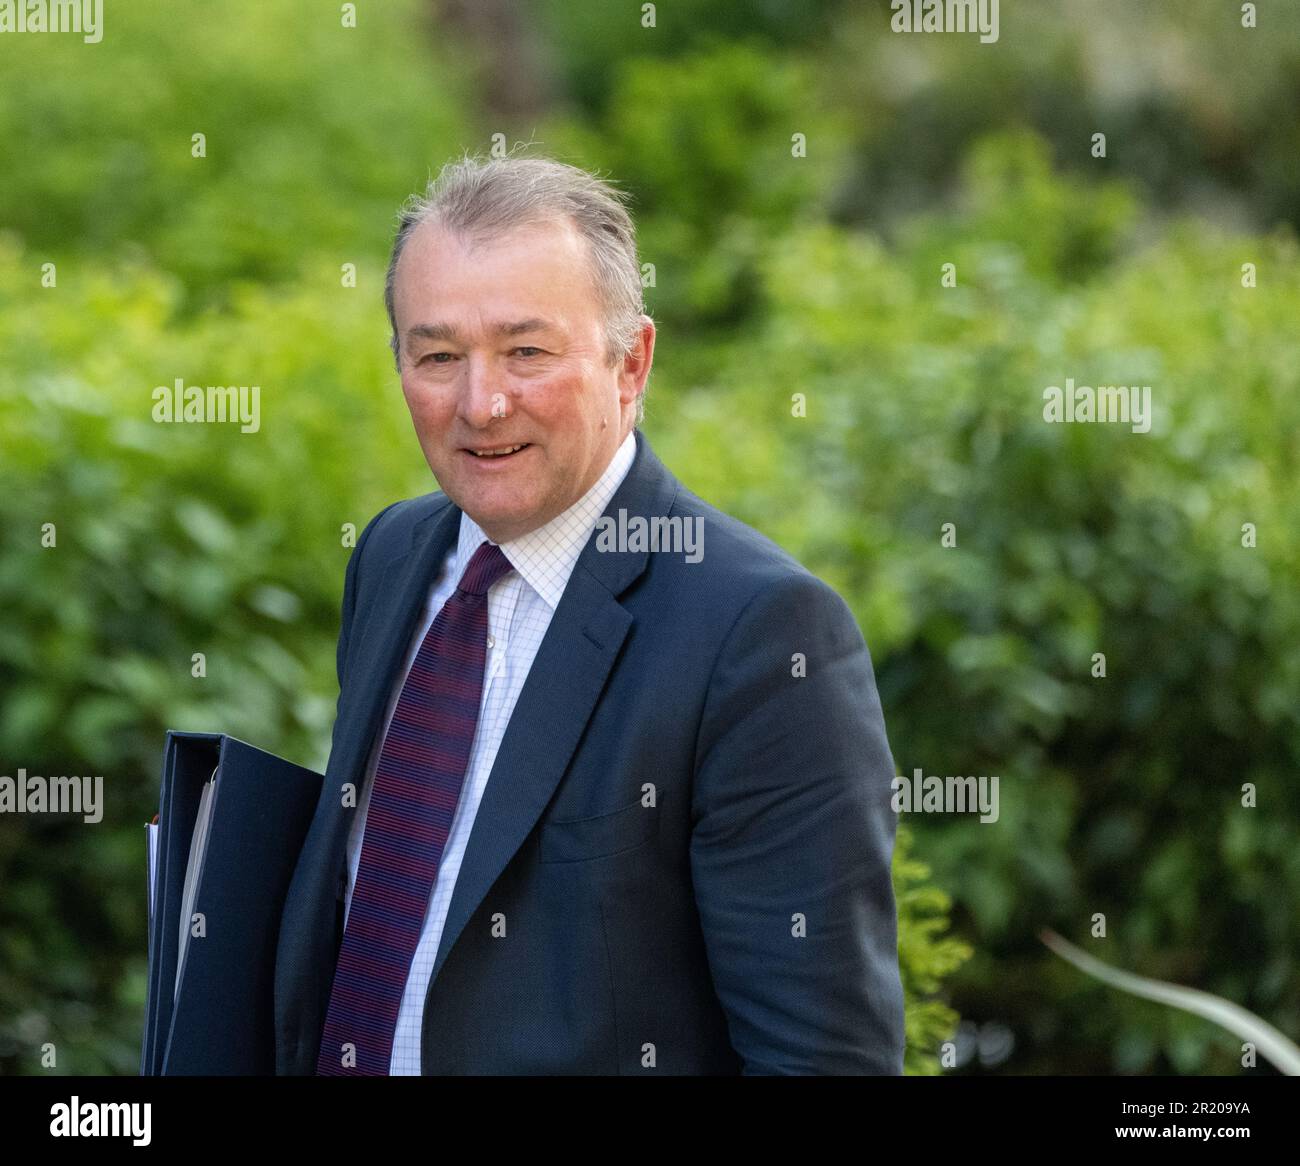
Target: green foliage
(314,133)
(709,192)
(926,957)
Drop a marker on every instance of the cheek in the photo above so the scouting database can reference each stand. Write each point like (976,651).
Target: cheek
(425,403)
(559,396)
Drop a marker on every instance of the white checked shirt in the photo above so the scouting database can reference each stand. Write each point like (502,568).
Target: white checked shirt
(520,606)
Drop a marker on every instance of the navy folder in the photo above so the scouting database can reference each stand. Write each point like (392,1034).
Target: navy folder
(220,1019)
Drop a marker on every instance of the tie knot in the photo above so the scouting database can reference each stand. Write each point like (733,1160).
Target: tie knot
(488,564)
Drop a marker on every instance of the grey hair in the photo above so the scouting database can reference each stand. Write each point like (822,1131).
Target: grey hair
(481,198)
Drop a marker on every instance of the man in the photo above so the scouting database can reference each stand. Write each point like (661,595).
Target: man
(595,804)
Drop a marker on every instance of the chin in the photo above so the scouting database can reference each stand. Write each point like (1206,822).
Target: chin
(496,519)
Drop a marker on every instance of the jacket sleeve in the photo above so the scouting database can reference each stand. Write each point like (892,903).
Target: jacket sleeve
(793,837)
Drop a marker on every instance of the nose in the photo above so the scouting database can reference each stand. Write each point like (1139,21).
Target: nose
(482,397)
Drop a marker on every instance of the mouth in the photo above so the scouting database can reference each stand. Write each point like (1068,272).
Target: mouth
(497,453)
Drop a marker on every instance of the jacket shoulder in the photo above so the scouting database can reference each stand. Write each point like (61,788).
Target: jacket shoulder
(738,560)
(389,533)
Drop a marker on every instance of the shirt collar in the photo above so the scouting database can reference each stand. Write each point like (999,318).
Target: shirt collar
(545,557)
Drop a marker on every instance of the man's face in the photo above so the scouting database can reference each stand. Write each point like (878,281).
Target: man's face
(501,345)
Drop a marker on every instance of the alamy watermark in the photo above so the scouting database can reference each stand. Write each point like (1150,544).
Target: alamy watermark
(919,794)
(211,403)
(1125,404)
(78,16)
(102,1119)
(31,794)
(677,535)
(946,16)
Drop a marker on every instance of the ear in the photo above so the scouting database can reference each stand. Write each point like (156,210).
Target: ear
(635,366)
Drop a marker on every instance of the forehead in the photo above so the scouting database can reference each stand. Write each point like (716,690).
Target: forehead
(528,266)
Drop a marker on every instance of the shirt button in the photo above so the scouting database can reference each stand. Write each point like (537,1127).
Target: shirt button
(492,641)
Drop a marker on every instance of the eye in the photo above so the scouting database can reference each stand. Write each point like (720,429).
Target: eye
(525,349)
(433,356)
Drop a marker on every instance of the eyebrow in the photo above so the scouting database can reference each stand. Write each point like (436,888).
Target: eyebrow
(440,331)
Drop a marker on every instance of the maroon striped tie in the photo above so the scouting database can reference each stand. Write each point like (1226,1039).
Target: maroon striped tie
(417,785)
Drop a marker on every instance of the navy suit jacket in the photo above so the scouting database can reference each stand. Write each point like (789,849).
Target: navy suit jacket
(684,844)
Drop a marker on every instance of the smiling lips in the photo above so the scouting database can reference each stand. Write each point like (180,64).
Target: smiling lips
(498,451)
